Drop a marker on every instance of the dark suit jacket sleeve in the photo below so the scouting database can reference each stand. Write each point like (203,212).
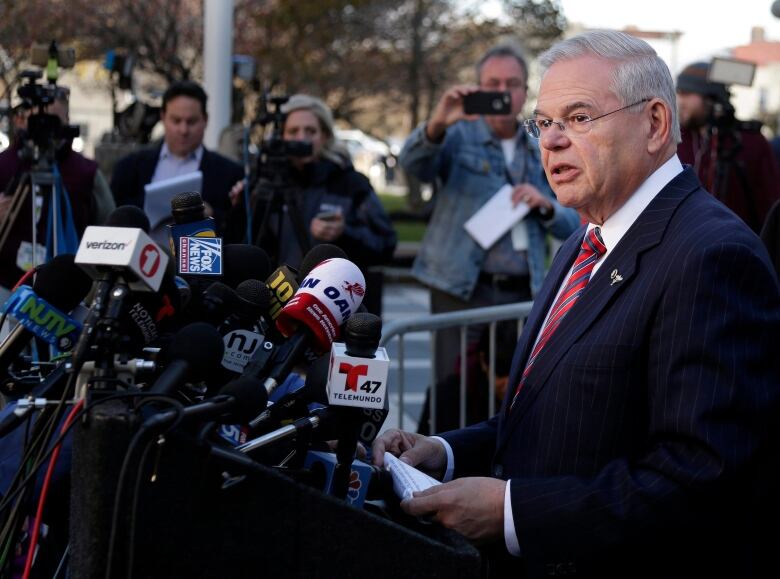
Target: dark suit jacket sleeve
(712,395)
(122,181)
(132,173)
(473,447)
(219,176)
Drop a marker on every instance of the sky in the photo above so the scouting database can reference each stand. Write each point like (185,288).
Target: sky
(709,27)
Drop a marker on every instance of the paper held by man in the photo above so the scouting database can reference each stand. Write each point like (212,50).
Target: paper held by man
(495,218)
(407,479)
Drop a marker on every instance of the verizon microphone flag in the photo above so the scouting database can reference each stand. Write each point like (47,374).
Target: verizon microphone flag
(124,248)
(326,298)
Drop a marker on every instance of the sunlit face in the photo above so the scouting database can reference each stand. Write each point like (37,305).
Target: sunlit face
(597,171)
(303,125)
(185,124)
(692,110)
(504,73)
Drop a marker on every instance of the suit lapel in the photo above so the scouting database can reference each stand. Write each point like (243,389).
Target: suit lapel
(613,277)
(560,267)
(152,155)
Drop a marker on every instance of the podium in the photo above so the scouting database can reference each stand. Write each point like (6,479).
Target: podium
(196,520)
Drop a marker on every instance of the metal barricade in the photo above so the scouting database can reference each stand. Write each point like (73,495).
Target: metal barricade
(465,318)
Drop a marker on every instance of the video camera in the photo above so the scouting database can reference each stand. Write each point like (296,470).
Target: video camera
(722,74)
(44,130)
(275,152)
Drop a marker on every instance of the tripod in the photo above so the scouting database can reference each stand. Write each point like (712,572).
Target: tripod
(34,187)
(275,195)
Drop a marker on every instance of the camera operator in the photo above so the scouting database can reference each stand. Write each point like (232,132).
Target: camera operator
(87,189)
(731,158)
(331,202)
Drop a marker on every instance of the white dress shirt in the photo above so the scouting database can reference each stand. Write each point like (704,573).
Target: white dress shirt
(169,165)
(612,231)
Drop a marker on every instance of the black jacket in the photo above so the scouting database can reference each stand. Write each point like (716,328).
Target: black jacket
(368,238)
(133,172)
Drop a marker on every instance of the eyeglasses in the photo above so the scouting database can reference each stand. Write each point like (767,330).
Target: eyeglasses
(578,123)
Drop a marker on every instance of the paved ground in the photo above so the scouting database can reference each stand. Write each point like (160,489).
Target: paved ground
(404,301)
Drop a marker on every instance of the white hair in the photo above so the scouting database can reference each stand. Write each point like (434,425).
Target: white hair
(639,73)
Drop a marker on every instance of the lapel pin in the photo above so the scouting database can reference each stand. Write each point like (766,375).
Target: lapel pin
(615,277)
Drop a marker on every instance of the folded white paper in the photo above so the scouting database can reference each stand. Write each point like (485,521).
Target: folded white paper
(407,479)
(157,203)
(495,218)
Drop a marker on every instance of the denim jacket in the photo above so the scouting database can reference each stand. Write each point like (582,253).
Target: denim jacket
(470,167)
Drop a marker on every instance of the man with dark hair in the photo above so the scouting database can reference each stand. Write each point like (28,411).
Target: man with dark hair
(732,159)
(184,117)
(471,158)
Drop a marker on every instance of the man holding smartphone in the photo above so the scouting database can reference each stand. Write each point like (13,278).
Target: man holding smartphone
(471,152)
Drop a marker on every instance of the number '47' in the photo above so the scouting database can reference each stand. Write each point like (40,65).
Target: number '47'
(366,386)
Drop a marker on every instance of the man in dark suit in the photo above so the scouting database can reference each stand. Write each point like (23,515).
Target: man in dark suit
(636,436)
(184,118)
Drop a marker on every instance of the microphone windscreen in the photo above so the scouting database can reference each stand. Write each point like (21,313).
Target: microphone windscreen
(187,207)
(251,397)
(362,334)
(326,299)
(316,255)
(241,262)
(128,216)
(200,345)
(61,282)
(255,292)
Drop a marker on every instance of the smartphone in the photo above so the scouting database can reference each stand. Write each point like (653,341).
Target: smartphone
(487,103)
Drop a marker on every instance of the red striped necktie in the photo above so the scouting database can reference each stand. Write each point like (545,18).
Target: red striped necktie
(591,250)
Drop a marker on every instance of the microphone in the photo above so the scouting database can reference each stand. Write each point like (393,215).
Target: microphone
(217,303)
(242,262)
(326,299)
(123,253)
(237,401)
(194,353)
(128,216)
(193,242)
(295,397)
(59,287)
(107,253)
(316,255)
(149,315)
(242,329)
(256,293)
(285,404)
(313,317)
(283,282)
(366,481)
(357,380)
(321,419)
(189,219)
